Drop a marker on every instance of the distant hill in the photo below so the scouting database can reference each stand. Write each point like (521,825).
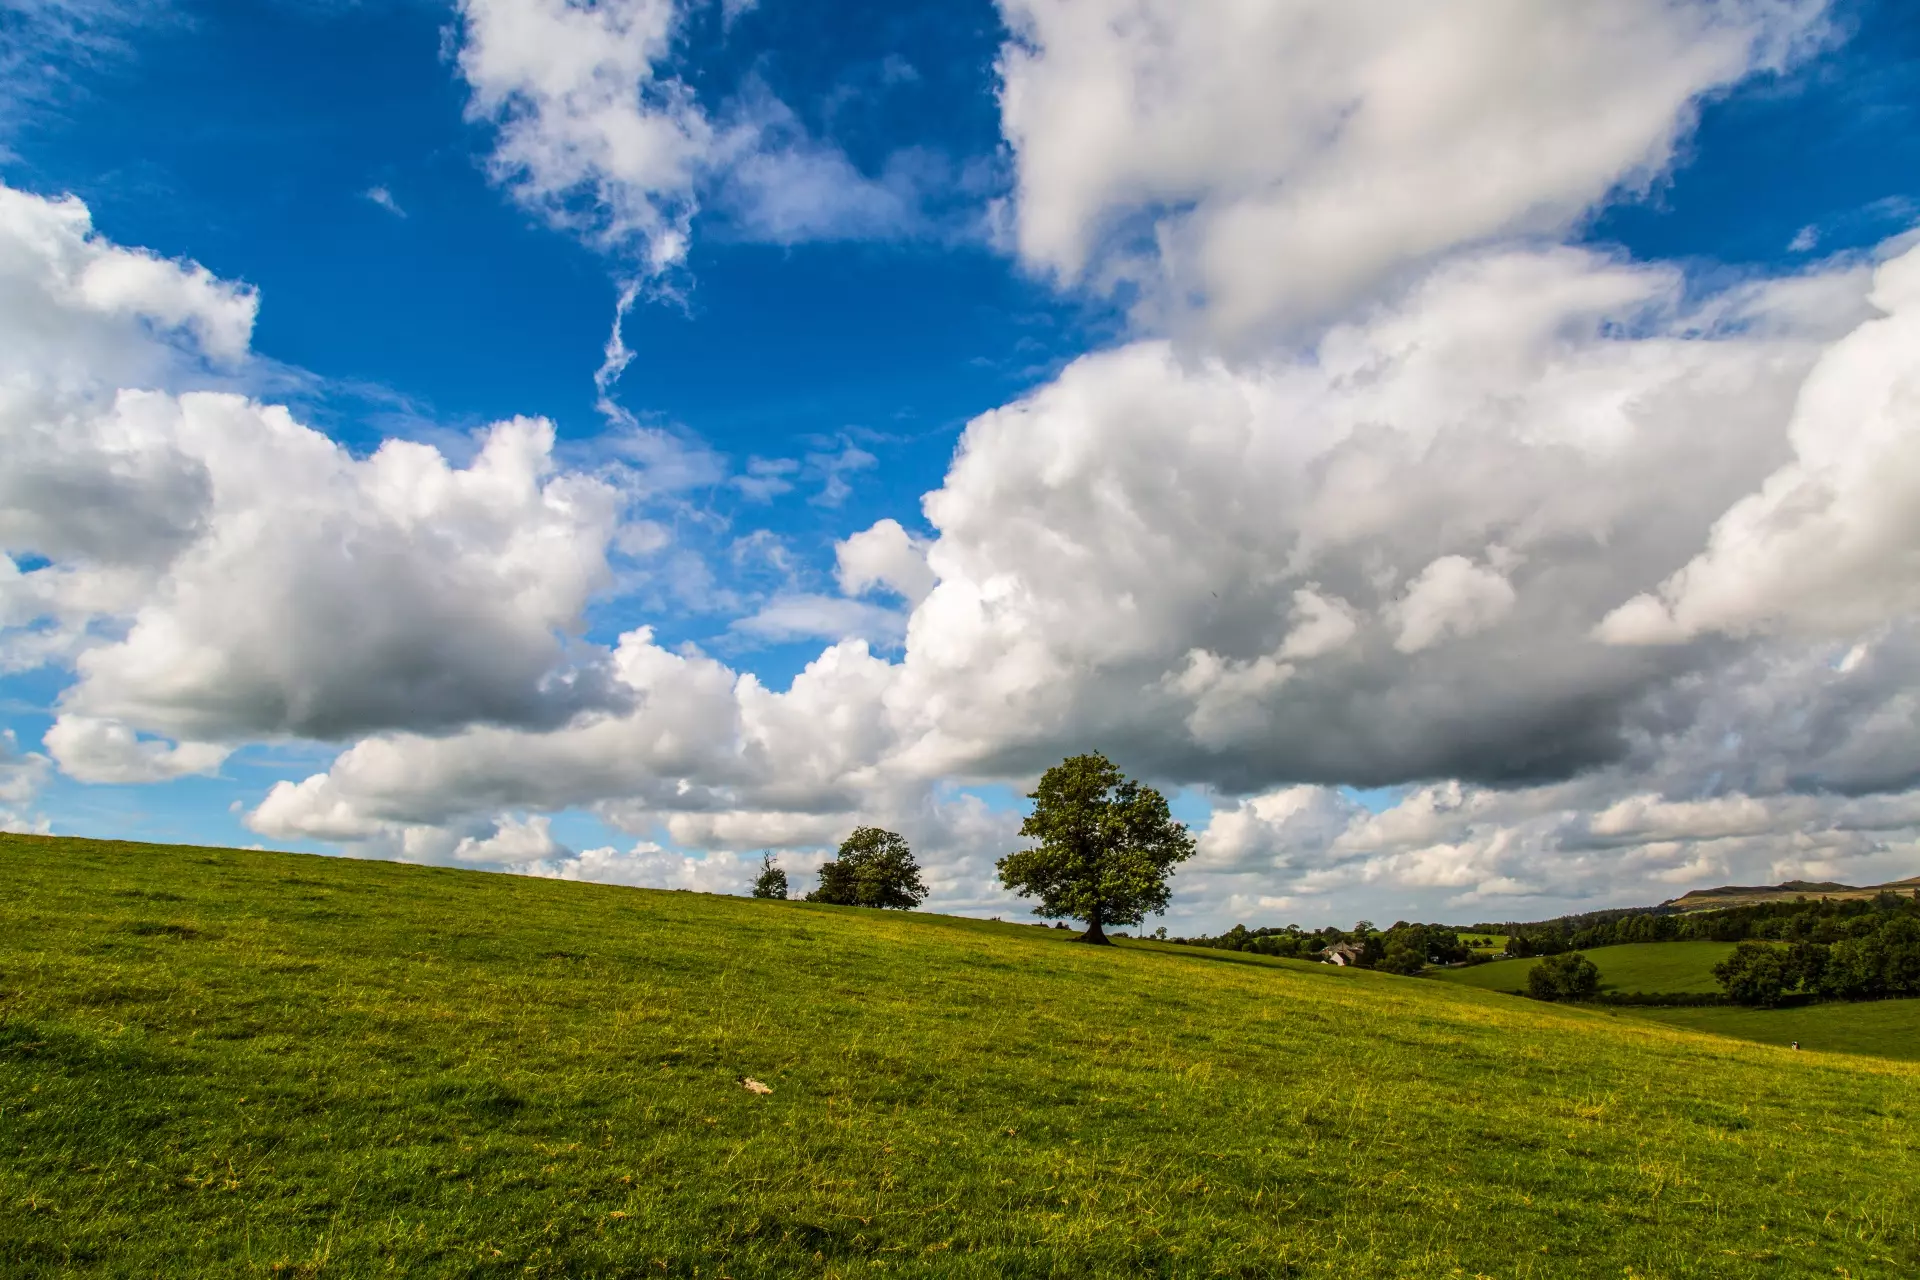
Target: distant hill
(1735,895)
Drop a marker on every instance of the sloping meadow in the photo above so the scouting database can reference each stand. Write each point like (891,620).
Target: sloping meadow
(218,1062)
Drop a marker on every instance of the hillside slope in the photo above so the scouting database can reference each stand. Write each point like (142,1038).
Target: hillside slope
(222,1063)
(1736,895)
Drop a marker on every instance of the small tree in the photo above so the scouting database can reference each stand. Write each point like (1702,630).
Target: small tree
(773,879)
(874,868)
(1106,845)
(1567,976)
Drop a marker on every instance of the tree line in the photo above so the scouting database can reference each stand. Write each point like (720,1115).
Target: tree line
(1876,957)
(1824,920)
(1402,947)
(1101,848)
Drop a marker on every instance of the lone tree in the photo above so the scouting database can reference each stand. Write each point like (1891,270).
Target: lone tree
(773,879)
(874,868)
(1106,845)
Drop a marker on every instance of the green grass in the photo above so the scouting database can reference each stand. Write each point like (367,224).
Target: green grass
(224,1063)
(1488,944)
(1887,1028)
(1631,966)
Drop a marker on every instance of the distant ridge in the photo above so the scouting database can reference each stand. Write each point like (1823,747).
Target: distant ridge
(1735,895)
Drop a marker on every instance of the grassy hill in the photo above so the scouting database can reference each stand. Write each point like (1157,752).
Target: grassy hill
(1633,966)
(225,1063)
(1734,895)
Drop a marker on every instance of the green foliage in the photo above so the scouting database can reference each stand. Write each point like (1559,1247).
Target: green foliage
(1408,948)
(772,880)
(1826,920)
(1404,948)
(1104,847)
(231,1063)
(1869,964)
(1570,976)
(1401,959)
(874,868)
(1756,973)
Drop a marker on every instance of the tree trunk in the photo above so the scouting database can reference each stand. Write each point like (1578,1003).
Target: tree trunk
(1095,935)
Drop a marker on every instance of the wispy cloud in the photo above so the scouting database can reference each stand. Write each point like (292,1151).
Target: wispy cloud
(384,198)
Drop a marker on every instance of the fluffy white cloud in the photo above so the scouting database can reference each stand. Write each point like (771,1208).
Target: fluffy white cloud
(595,132)
(1830,543)
(78,310)
(1260,161)
(103,494)
(514,840)
(688,734)
(589,133)
(1451,597)
(95,750)
(887,556)
(22,774)
(325,595)
(1122,549)
(1322,625)
(216,572)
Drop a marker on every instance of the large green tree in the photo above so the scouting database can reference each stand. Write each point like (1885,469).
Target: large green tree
(874,868)
(1104,846)
(1568,976)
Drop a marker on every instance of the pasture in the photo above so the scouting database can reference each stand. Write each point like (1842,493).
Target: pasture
(1884,1028)
(228,1063)
(1681,967)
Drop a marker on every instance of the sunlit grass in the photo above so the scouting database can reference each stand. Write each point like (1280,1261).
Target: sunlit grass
(1633,966)
(234,1063)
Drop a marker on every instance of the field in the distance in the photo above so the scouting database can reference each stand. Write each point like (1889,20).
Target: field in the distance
(218,1063)
(1887,1028)
(1631,966)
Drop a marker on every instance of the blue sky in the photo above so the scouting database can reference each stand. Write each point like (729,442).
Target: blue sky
(325,155)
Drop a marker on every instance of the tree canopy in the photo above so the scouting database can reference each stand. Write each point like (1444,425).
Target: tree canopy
(1567,976)
(1104,847)
(772,881)
(874,868)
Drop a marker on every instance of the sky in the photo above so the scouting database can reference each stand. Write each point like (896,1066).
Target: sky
(1465,452)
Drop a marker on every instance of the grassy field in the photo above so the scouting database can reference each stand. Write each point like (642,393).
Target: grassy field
(1632,966)
(1887,1028)
(1486,944)
(223,1063)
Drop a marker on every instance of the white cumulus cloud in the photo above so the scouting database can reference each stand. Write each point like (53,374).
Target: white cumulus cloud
(1254,162)
(1830,542)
